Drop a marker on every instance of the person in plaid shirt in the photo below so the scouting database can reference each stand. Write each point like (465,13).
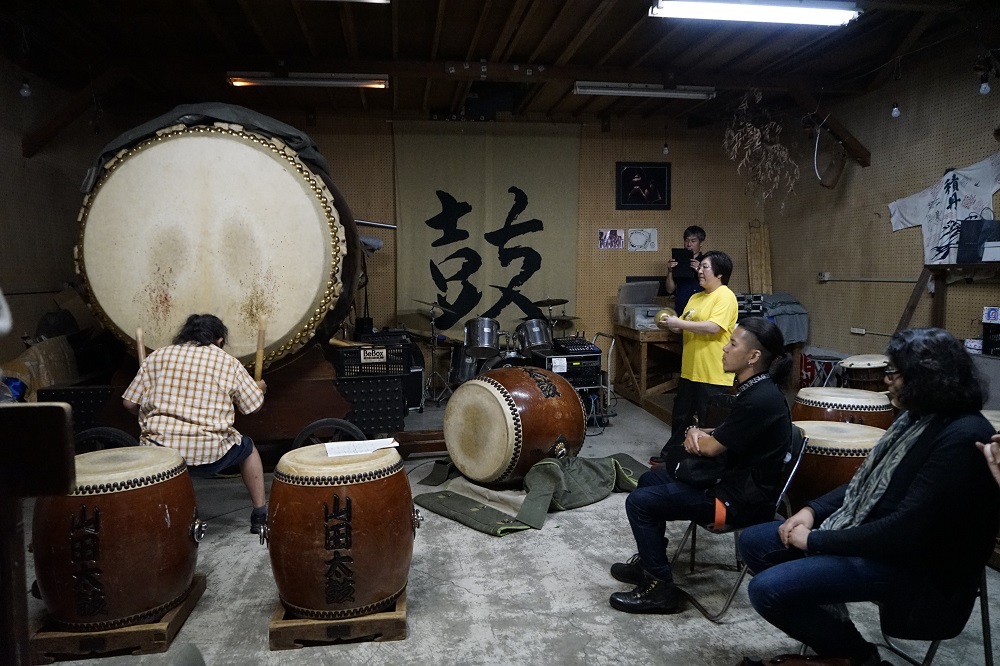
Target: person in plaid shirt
(186,395)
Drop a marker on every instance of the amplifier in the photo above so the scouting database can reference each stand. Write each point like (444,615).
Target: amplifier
(581,369)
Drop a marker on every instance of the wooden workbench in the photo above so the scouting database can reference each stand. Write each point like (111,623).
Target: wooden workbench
(647,365)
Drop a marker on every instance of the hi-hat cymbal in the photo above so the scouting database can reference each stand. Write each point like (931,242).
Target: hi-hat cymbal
(436,305)
(550,302)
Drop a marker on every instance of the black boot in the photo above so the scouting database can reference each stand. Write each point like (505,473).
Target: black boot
(628,572)
(652,596)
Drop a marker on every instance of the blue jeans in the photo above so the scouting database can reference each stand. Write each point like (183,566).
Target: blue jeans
(234,456)
(792,590)
(657,499)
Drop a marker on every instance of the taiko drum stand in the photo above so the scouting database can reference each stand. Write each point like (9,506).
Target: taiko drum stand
(430,391)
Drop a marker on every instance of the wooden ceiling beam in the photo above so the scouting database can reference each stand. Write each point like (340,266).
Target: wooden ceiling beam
(851,144)
(883,75)
(516,37)
(462,90)
(304,27)
(509,28)
(257,28)
(216,26)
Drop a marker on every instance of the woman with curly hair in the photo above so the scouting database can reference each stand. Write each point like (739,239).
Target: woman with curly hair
(912,530)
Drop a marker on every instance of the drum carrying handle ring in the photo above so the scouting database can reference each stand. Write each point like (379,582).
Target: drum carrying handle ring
(418,520)
(558,449)
(198,528)
(265,533)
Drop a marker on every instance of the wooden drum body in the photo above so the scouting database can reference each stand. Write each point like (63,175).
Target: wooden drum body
(499,424)
(820,403)
(865,372)
(122,548)
(833,454)
(217,218)
(340,532)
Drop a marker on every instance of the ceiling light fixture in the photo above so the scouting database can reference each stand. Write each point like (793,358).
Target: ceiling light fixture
(308,80)
(984,84)
(802,12)
(895,113)
(642,90)
(25,88)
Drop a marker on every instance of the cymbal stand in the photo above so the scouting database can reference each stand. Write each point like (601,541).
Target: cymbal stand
(430,391)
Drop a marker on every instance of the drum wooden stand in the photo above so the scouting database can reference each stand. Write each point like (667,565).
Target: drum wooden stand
(139,639)
(286,632)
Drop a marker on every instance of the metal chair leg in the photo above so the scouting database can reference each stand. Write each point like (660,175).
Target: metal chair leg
(984,608)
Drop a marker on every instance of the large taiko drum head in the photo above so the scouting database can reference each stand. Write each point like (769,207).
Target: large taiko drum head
(821,403)
(340,532)
(499,424)
(865,371)
(121,548)
(215,219)
(834,452)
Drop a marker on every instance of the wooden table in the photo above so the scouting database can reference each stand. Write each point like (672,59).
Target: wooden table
(645,357)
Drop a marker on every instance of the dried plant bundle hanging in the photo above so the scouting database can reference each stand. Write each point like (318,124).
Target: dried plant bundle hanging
(753,141)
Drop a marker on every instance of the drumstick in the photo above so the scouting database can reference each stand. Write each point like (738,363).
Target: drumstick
(338,342)
(258,367)
(140,346)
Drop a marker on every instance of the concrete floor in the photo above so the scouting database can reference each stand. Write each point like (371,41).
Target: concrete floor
(534,597)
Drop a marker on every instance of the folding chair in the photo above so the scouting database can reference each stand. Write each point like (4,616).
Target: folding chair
(791,466)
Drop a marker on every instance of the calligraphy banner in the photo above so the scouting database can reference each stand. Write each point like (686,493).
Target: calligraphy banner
(487,219)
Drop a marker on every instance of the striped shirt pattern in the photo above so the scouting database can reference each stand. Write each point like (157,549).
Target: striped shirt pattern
(187,394)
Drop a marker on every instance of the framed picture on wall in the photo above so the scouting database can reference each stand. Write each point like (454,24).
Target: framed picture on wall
(642,185)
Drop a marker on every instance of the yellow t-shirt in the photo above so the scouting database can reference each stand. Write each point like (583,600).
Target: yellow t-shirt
(701,360)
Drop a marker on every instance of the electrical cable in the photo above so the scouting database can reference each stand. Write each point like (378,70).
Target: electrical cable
(816,148)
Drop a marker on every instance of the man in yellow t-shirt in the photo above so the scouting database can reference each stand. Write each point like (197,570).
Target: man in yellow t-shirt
(707,323)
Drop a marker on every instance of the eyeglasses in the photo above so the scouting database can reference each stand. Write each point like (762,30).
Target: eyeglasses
(891,373)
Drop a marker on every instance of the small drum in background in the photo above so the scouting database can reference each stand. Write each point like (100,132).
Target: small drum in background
(533,334)
(340,532)
(505,360)
(865,372)
(482,337)
(832,455)
(121,548)
(499,424)
(463,366)
(821,403)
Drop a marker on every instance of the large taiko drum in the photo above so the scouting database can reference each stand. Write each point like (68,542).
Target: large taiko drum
(865,372)
(499,424)
(217,218)
(340,532)
(122,547)
(832,455)
(822,403)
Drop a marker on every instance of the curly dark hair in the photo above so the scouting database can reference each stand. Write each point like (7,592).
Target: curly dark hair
(203,329)
(771,344)
(938,374)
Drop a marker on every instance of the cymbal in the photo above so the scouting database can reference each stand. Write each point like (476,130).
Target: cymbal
(562,323)
(565,318)
(551,302)
(436,305)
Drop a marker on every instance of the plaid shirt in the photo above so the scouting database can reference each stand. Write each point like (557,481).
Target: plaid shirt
(187,394)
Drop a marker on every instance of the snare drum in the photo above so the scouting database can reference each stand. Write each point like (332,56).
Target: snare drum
(533,334)
(865,371)
(499,424)
(821,403)
(121,548)
(340,532)
(833,454)
(482,337)
(217,218)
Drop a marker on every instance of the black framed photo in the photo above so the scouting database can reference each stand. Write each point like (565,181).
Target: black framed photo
(642,185)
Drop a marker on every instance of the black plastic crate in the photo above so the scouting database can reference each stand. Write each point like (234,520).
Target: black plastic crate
(370,361)
(991,339)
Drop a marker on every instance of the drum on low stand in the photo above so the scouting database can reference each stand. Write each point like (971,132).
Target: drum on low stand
(463,367)
(499,424)
(340,532)
(832,455)
(121,548)
(482,337)
(865,372)
(822,403)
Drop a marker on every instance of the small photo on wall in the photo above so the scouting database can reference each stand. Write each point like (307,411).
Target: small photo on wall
(610,239)
(642,240)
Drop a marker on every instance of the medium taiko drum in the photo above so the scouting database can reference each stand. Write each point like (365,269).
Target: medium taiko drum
(340,532)
(217,218)
(865,372)
(822,403)
(122,547)
(499,424)
(833,453)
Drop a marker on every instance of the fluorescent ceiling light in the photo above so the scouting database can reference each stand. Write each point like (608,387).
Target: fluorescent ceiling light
(308,80)
(801,12)
(642,90)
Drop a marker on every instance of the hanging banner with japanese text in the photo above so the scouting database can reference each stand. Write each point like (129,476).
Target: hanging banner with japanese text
(487,219)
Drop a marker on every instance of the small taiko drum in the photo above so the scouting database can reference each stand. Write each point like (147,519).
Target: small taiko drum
(822,403)
(499,424)
(340,532)
(122,547)
(833,453)
(865,372)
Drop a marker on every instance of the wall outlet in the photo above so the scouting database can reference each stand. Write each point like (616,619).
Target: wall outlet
(824,276)
(858,331)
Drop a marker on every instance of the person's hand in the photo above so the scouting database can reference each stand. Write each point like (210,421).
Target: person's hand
(799,538)
(691,441)
(262,385)
(795,530)
(695,265)
(991,451)
(671,322)
(672,263)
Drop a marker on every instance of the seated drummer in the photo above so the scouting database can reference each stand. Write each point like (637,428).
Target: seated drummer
(755,437)
(184,396)
(912,530)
